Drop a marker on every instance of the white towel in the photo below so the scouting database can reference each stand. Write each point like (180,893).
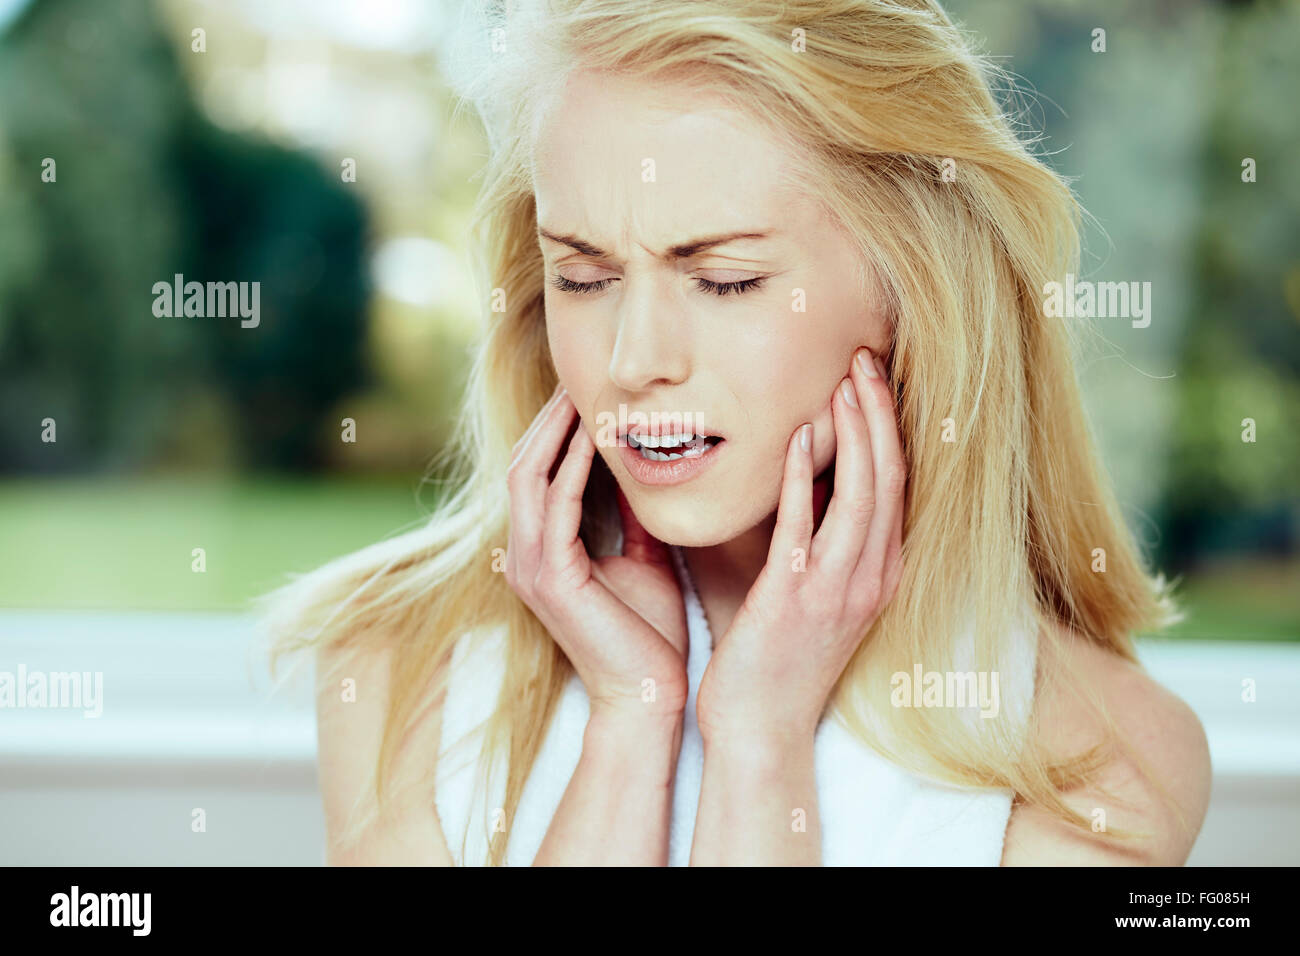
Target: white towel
(872,811)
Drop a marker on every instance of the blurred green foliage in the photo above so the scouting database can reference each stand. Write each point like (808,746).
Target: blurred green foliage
(146,188)
(1152,132)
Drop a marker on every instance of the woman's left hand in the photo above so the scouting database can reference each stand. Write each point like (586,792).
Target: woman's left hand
(772,674)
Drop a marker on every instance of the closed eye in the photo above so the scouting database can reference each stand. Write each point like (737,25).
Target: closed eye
(568,285)
(726,288)
(705,285)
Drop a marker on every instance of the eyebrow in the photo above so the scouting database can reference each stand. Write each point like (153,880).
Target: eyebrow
(682,250)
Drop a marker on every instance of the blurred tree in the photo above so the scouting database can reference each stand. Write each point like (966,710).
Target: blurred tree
(1241,350)
(1155,130)
(260,213)
(145,188)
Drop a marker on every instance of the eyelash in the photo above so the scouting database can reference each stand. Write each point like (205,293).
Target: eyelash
(706,285)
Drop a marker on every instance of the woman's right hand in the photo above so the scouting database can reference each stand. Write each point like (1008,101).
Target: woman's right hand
(620,619)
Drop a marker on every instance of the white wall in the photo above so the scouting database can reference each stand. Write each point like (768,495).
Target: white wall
(189,721)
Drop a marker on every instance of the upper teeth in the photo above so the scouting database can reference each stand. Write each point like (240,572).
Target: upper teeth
(662,441)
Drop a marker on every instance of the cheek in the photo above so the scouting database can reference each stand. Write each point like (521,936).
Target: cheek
(577,362)
(801,387)
(796,384)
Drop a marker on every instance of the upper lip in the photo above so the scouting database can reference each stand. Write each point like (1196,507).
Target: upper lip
(659,428)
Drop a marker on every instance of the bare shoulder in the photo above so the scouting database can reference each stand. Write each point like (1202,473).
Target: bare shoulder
(352,698)
(1166,737)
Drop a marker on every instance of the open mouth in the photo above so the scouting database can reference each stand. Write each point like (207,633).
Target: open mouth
(673,447)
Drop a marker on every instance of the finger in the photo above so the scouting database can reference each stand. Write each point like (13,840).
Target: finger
(563,515)
(537,420)
(638,543)
(893,561)
(529,477)
(540,417)
(852,508)
(794,514)
(887,459)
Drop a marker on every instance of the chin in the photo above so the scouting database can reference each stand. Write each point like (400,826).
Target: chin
(694,523)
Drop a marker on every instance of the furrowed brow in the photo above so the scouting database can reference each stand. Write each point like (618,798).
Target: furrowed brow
(684,250)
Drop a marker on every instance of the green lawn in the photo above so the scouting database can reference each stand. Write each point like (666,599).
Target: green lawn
(78,543)
(87,543)
(1249,600)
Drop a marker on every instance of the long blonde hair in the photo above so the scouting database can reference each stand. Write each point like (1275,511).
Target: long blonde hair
(1007,507)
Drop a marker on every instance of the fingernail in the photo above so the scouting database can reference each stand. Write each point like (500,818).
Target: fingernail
(850,396)
(805,436)
(864,362)
(880,365)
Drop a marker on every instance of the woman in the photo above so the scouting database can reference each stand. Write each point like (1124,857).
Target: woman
(808,557)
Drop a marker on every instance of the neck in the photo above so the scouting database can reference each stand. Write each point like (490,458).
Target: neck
(724,573)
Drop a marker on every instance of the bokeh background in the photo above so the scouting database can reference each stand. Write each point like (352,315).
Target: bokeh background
(229,163)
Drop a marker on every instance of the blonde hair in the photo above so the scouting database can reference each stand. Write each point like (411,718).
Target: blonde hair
(881,101)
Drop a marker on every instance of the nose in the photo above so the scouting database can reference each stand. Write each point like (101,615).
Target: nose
(652,346)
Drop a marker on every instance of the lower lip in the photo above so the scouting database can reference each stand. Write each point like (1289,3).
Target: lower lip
(667,472)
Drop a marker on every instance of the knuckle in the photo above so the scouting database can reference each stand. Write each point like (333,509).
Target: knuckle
(891,587)
(514,476)
(893,577)
(548,574)
(518,584)
(520,589)
(861,508)
(799,525)
(541,578)
(874,592)
(817,597)
(553,578)
(866,600)
(555,495)
(514,578)
(895,479)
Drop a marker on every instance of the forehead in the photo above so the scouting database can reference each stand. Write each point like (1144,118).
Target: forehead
(621,157)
